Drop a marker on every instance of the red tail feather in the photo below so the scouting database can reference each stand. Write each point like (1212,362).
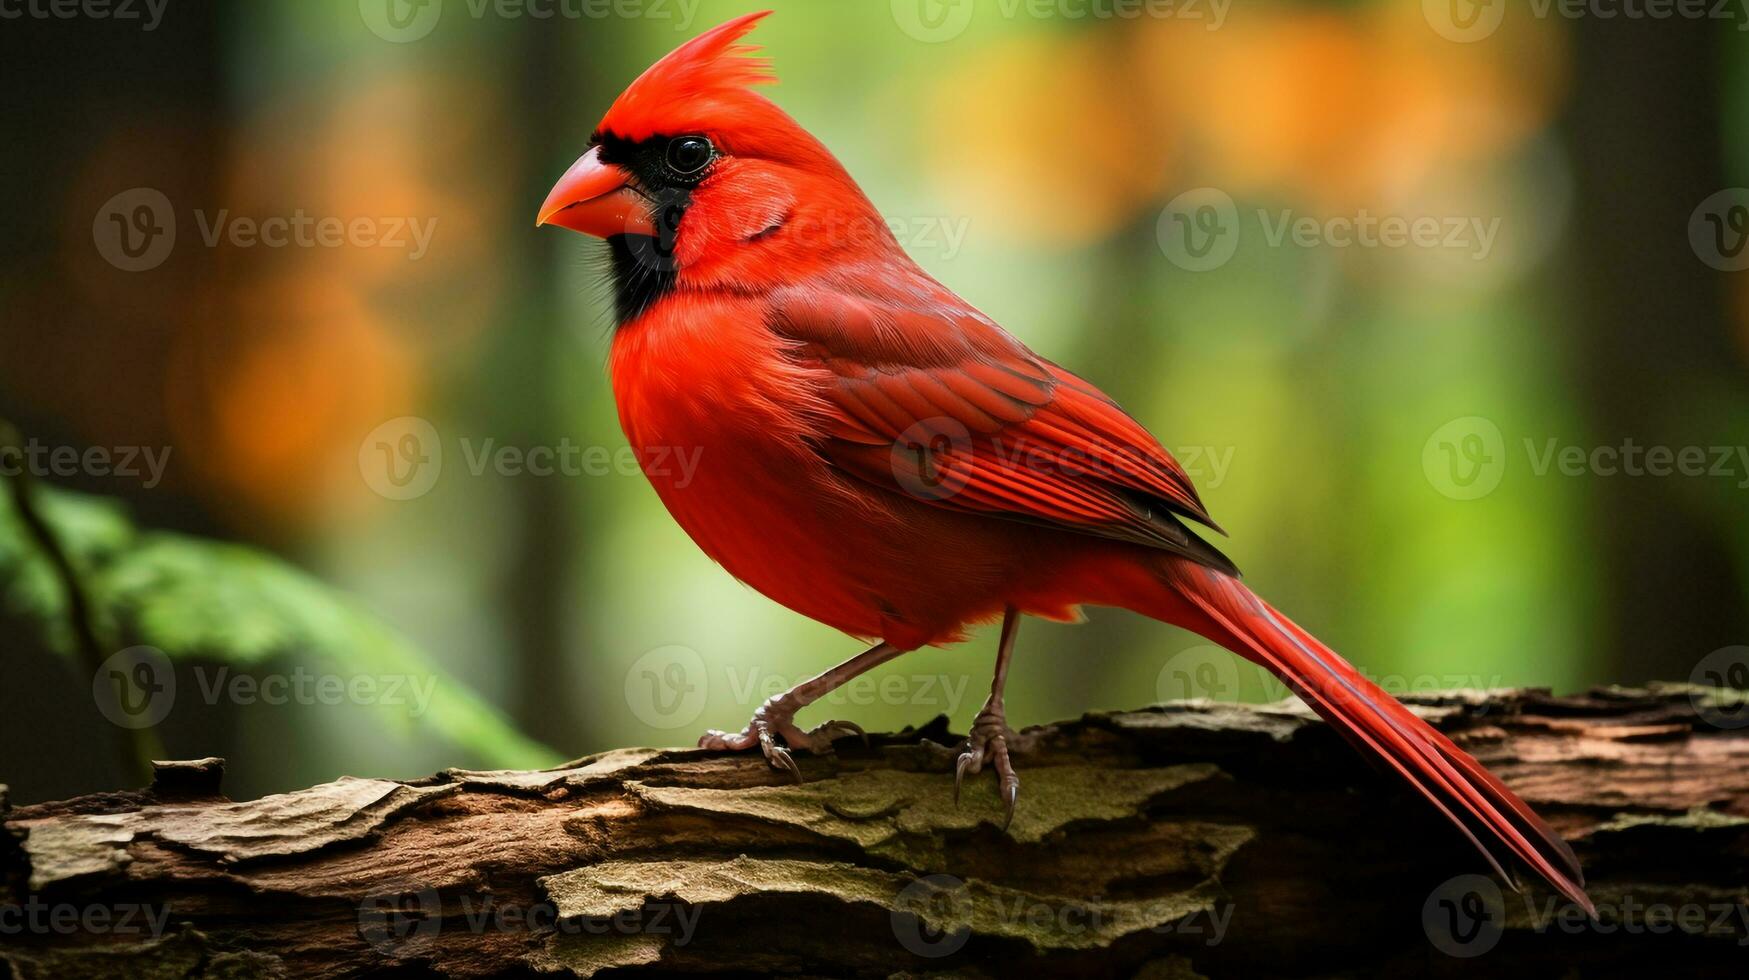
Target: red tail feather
(1491,815)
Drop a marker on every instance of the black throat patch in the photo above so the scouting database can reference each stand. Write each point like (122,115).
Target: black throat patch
(642,271)
(643,267)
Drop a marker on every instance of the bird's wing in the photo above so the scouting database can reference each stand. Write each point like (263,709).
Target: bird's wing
(932,399)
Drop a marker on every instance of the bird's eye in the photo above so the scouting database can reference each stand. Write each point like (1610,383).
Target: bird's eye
(689,154)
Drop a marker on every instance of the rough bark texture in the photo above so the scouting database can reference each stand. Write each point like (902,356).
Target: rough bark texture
(1189,839)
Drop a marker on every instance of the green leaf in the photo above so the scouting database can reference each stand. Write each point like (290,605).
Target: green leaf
(207,600)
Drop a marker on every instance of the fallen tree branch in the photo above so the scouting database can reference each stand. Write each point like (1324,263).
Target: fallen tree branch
(1189,839)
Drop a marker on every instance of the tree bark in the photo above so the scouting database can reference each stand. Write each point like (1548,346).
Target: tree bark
(1182,840)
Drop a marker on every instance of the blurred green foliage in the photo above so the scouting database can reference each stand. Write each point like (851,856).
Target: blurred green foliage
(222,604)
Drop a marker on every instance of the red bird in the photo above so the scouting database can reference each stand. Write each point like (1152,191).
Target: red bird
(876,454)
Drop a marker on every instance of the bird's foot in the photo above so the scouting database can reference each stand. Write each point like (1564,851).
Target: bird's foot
(776,719)
(990,740)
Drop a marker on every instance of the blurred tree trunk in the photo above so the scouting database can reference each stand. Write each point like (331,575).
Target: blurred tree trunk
(539,592)
(95,106)
(1652,346)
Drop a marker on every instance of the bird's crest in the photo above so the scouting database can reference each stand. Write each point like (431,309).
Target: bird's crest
(707,77)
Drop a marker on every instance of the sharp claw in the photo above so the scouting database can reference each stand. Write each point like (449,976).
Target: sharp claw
(821,738)
(781,759)
(1010,795)
(959,774)
(848,728)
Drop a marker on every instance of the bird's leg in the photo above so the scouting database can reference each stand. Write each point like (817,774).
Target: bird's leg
(990,737)
(776,717)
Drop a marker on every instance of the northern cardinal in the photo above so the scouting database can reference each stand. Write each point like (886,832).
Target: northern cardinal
(878,455)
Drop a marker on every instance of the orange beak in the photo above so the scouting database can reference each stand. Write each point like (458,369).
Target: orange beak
(597,199)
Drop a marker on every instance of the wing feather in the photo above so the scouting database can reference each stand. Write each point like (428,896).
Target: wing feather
(932,399)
